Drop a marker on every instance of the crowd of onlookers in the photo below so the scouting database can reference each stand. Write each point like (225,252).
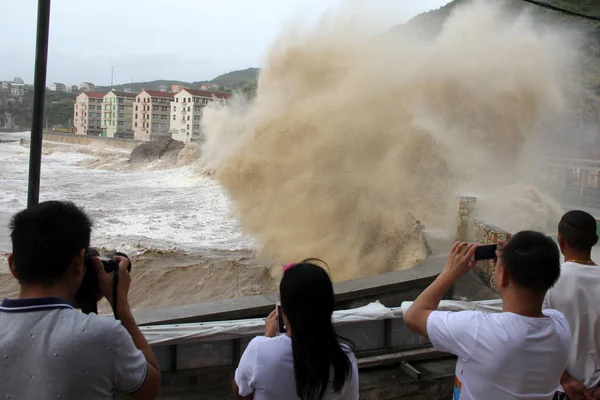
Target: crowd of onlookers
(543,345)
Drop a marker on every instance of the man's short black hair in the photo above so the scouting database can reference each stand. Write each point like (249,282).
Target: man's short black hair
(45,239)
(578,229)
(532,260)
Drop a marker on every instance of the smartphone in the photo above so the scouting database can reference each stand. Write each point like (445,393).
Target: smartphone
(486,252)
(280,324)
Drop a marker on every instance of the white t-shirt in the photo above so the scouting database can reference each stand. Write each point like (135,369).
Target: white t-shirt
(577,296)
(267,370)
(504,355)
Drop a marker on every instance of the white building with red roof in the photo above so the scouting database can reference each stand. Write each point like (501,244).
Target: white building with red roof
(186,113)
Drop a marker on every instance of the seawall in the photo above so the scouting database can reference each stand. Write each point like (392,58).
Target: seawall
(84,140)
(473,229)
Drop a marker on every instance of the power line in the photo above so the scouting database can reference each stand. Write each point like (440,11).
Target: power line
(562,10)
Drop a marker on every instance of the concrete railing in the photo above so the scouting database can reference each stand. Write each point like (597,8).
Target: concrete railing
(476,229)
(85,140)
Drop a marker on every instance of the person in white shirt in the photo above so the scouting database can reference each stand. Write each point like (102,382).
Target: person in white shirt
(307,362)
(577,296)
(519,353)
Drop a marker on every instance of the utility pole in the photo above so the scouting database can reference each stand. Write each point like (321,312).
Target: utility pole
(39,89)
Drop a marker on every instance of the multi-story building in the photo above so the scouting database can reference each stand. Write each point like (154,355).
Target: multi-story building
(117,114)
(177,88)
(87,114)
(186,113)
(17,89)
(209,86)
(58,87)
(87,87)
(152,115)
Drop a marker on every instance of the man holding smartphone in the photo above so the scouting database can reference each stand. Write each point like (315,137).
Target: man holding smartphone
(516,354)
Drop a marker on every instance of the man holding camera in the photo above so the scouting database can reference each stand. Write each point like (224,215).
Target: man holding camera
(49,350)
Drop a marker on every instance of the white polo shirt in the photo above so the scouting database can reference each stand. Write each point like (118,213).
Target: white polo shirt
(577,296)
(49,350)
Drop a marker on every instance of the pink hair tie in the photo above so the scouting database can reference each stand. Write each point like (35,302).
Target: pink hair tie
(287,266)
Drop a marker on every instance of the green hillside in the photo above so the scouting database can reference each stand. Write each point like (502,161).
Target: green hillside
(237,78)
(430,23)
(150,85)
(228,81)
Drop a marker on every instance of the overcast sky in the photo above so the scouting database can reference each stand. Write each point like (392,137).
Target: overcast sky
(188,40)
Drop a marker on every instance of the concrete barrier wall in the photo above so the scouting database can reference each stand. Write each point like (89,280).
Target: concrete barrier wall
(52,136)
(474,229)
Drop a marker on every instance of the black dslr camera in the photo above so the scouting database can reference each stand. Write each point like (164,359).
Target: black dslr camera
(89,291)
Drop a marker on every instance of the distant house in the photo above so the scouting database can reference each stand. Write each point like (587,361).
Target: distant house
(209,86)
(87,114)
(177,88)
(5,85)
(163,88)
(151,115)
(18,80)
(17,89)
(87,87)
(58,87)
(186,113)
(74,89)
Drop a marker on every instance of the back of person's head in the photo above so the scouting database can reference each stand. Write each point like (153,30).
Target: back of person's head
(532,261)
(307,299)
(578,230)
(46,238)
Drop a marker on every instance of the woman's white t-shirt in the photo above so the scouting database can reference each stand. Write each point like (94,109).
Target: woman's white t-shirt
(267,370)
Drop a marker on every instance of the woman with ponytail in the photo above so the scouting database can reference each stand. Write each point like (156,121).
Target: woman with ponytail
(307,362)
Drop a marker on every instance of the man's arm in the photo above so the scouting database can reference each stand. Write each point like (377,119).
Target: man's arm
(150,387)
(238,396)
(458,264)
(573,388)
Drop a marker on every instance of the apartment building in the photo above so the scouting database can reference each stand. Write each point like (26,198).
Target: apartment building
(58,87)
(186,113)
(117,114)
(87,114)
(87,87)
(152,115)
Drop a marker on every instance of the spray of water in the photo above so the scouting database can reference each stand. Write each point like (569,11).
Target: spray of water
(352,136)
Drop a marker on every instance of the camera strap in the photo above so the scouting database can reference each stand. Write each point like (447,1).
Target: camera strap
(115,285)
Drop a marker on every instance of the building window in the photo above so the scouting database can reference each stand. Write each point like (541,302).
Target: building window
(174,117)
(155,116)
(138,100)
(174,108)
(189,99)
(176,99)
(136,124)
(76,114)
(188,108)
(154,108)
(196,117)
(136,116)
(136,108)
(196,126)
(188,118)
(121,115)
(188,126)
